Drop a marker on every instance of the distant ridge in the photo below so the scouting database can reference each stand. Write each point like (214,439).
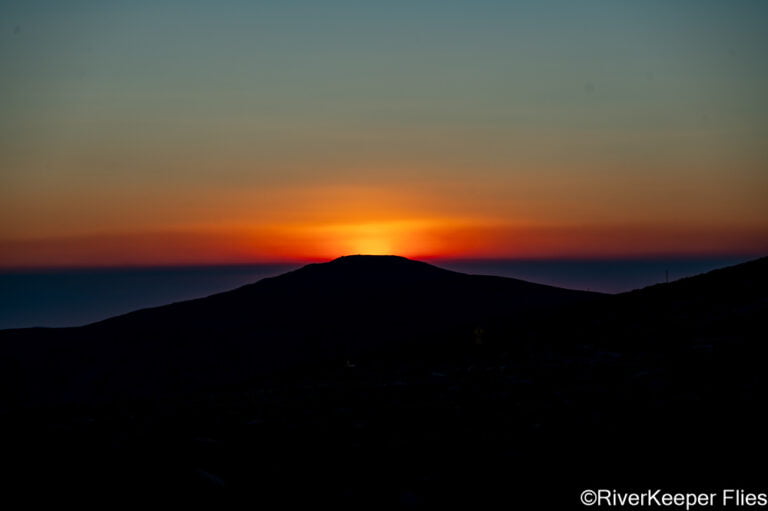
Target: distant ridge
(722,308)
(344,308)
(356,306)
(745,279)
(366,379)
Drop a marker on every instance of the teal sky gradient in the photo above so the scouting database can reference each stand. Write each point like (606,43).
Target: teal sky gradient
(599,113)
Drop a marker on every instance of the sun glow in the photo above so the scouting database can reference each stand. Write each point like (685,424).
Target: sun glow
(410,238)
(372,238)
(373,245)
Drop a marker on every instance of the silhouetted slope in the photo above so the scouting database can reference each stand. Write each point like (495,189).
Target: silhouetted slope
(722,307)
(659,388)
(341,309)
(731,290)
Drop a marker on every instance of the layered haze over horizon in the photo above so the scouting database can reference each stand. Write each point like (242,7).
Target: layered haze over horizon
(203,132)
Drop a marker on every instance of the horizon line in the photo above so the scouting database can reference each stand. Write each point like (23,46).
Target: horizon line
(427,259)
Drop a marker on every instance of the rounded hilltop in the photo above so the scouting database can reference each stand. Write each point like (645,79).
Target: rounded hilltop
(363,258)
(366,261)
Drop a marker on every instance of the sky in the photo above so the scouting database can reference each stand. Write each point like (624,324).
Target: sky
(230,131)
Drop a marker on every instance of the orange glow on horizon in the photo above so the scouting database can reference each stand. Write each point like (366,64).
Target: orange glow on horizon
(408,238)
(415,239)
(323,222)
(337,221)
(437,239)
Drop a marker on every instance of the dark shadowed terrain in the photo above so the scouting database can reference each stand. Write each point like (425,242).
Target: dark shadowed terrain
(379,382)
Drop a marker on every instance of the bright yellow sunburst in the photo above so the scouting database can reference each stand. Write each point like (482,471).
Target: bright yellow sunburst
(373,238)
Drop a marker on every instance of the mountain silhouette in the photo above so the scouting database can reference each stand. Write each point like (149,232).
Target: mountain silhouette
(337,310)
(385,383)
(722,308)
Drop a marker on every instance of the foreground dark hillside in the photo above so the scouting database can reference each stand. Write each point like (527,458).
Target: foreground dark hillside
(659,388)
(322,312)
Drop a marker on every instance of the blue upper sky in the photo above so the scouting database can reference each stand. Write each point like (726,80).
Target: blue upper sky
(552,113)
